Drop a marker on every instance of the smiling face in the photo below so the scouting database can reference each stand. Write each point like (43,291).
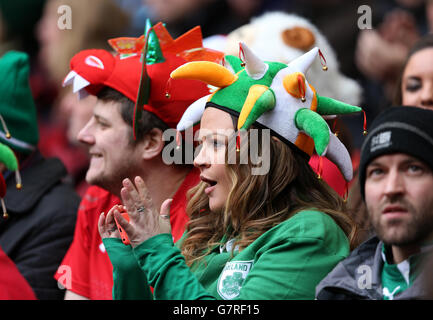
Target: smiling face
(112,157)
(417,82)
(399,198)
(215,129)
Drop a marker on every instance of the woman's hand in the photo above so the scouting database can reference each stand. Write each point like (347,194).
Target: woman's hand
(106,224)
(145,221)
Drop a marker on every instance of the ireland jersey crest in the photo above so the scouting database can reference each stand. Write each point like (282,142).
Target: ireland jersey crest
(232,278)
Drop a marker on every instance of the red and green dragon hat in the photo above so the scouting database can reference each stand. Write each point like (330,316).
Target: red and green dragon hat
(147,84)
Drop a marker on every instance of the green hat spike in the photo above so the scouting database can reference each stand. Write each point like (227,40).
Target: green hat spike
(315,126)
(259,100)
(144,86)
(329,106)
(7,157)
(154,52)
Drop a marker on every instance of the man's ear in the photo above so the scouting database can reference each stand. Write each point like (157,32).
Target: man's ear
(152,144)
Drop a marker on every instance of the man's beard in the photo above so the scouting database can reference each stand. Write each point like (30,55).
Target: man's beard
(405,232)
(113,182)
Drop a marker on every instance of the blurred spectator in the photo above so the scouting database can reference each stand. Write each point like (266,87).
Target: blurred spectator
(42,214)
(93,22)
(214,16)
(63,143)
(381,52)
(138,13)
(415,84)
(17,22)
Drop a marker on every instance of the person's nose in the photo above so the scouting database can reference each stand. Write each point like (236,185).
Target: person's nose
(86,135)
(394,184)
(201,161)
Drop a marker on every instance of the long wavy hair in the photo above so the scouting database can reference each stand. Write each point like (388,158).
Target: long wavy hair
(256,203)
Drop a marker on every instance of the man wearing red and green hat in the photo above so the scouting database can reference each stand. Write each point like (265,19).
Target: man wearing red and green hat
(39,210)
(136,104)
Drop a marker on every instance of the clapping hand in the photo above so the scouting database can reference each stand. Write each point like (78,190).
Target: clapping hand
(145,221)
(106,224)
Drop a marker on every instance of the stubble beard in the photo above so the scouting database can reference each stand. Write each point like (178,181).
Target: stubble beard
(405,232)
(112,182)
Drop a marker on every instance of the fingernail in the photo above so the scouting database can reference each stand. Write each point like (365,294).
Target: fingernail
(138,179)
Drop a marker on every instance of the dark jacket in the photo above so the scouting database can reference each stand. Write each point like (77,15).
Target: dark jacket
(41,222)
(359,277)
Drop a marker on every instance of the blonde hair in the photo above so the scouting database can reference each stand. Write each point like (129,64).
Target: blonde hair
(256,203)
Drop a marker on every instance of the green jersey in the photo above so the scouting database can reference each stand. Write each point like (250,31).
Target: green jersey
(286,262)
(396,278)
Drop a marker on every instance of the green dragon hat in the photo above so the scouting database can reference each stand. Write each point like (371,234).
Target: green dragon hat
(275,95)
